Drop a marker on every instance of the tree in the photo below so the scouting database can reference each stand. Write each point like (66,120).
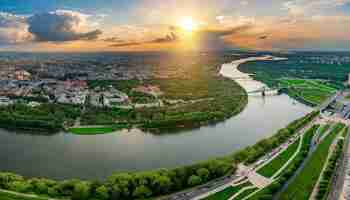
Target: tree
(20,186)
(142,192)
(162,184)
(102,193)
(7,178)
(203,173)
(53,191)
(194,180)
(41,188)
(120,184)
(81,191)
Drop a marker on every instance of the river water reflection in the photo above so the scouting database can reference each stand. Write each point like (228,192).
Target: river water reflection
(65,155)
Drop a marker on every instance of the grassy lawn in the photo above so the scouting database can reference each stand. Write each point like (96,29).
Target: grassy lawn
(271,168)
(228,192)
(313,91)
(301,187)
(324,129)
(8,196)
(96,130)
(246,193)
(345,132)
(266,192)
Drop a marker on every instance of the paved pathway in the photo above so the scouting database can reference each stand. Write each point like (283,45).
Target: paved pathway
(258,180)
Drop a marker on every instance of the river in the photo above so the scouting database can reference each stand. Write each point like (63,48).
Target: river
(64,155)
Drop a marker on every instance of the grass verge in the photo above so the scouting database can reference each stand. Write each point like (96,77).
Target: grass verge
(301,187)
(9,196)
(245,193)
(96,130)
(271,168)
(324,129)
(228,192)
(269,191)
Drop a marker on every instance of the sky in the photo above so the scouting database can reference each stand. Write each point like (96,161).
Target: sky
(174,25)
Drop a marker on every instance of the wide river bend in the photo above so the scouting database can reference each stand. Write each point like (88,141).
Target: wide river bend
(64,155)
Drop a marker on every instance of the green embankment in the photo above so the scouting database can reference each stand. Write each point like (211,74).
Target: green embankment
(324,129)
(141,185)
(271,168)
(9,196)
(228,192)
(97,130)
(270,190)
(245,193)
(301,187)
(311,91)
(328,174)
(47,117)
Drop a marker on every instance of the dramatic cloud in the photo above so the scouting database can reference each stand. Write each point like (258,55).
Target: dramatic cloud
(310,7)
(205,39)
(61,26)
(225,32)
(13,29)
(263,37)
(126,44)
(172,37)
(113,39)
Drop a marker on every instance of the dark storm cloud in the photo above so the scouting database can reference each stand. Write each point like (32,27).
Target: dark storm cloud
(60,27)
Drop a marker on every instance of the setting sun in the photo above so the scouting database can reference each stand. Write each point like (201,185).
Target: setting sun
(188,24)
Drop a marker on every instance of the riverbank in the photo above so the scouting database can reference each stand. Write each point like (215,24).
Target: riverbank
(230,70)
(145,151)
(171,180)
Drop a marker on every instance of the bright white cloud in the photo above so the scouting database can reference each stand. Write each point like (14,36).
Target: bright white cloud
(61,25)
(13,29)
(244,3)
(311,7)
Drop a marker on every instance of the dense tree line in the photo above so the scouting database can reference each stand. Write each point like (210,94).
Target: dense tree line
(219,99)
(121,185)
(49,117)
(143,185)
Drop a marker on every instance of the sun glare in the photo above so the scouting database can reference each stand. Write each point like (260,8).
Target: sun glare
(188,24)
